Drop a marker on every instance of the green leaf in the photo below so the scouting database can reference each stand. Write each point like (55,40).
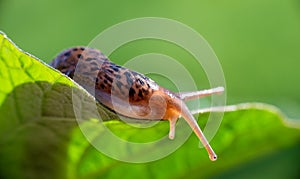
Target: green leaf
(47,122)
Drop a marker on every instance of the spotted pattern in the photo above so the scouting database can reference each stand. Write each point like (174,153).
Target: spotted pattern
(67,60)
(108,78)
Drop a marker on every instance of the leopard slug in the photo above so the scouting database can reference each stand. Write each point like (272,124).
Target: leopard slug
(130,93)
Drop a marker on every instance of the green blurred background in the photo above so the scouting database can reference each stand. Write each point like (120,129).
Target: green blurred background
(257,42)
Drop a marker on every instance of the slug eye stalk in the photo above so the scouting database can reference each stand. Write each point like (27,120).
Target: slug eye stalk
(189,118)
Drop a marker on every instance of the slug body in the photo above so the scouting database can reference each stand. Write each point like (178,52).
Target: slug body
(127,92)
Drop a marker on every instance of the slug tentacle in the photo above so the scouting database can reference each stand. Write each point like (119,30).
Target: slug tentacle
(186,96)
(187,115)
(189,118)
(172,128)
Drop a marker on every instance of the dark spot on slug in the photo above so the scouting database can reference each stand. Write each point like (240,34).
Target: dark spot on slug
(82,48)
(131,92)
(140,93)
(115,68)
(110,71)
(105,81)
(108,78)
(128,78)
(102,86)
(145,91)
(118,76)
(140,81)
(79,56)
(75,49)
(119,85)
(67,54)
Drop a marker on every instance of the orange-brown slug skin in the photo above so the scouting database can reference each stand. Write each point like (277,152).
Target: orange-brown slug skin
(127,92)
(126,86)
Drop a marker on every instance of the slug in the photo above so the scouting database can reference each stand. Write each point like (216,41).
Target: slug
(130,93)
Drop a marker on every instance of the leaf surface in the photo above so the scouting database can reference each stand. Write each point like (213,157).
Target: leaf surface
(48,125)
